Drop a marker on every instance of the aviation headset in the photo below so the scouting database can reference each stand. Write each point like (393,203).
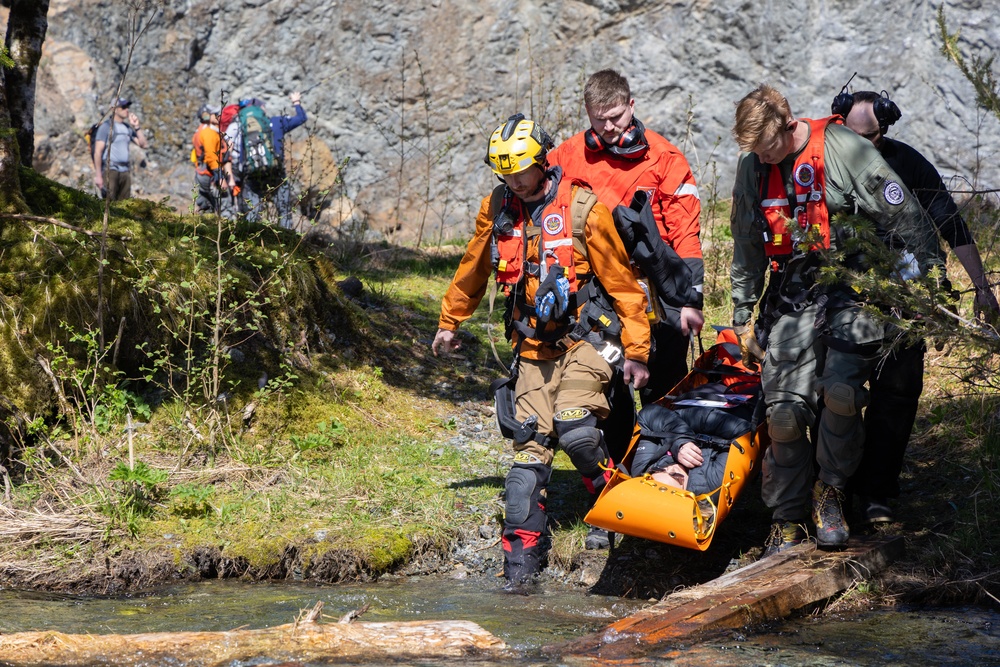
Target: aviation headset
(886,111)
(631,144)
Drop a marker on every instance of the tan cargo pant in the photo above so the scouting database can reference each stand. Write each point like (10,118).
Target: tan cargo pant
(577,379)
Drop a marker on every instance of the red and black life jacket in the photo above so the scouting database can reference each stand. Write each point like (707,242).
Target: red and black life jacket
(518,249)
(810,210)
(557,234)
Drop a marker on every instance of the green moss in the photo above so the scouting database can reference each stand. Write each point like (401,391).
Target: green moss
(48,198)
(255,545)
(383,548)
(378,481)
(159,288)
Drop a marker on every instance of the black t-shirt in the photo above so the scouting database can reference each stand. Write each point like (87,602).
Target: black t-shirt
(924,181)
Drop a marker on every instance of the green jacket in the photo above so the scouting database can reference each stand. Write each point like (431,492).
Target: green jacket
(856,181)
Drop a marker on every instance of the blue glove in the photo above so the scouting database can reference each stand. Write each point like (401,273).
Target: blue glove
(552,296)
(543,306)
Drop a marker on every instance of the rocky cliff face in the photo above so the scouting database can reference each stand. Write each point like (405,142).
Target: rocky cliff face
(403,94)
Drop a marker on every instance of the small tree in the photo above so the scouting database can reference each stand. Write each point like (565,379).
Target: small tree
(26,27)
(978,69)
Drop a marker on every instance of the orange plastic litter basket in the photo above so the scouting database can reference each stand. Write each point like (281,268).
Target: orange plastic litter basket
(642,507)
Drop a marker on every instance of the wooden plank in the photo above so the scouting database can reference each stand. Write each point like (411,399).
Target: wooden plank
(768,590)
(298,642)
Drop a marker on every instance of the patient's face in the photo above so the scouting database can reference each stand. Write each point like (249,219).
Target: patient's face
(674,475)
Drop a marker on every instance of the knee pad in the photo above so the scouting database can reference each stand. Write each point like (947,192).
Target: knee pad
(525,486)
(582,441)
(586,449)
(566,420)
(795,454)
(840,399)
(786,422)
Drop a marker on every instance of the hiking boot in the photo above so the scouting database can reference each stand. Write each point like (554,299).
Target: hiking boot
(597,538)
(784,535)
(875,509)
(828,516)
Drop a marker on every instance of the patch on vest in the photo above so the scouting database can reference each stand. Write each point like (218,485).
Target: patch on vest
(893,193)
(805,175)
(553,223)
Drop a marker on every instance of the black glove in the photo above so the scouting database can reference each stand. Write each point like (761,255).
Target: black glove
(552,297)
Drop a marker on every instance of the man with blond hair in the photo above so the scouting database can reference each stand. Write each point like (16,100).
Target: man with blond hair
(797,181)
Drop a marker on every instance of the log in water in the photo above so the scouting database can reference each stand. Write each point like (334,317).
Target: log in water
(303,641)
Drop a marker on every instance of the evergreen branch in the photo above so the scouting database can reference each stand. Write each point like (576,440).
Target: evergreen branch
(978,70)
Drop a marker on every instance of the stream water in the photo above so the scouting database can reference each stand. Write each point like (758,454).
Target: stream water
(916,638)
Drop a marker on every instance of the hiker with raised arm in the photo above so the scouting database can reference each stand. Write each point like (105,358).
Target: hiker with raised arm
(260,158)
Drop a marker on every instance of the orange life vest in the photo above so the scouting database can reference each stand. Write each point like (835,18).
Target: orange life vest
(554,244)
(810,211)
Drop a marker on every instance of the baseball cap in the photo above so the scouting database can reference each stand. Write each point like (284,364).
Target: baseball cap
(212,108)
(124,102)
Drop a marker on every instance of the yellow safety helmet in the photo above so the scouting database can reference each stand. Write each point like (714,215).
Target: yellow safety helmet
(516,145)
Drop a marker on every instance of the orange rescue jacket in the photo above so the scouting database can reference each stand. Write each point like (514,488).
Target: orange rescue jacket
(209,149)
(663,172)
(605,258)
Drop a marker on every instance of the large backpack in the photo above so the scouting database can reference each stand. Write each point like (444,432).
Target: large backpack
(258,141)
(91,138)
(229,113)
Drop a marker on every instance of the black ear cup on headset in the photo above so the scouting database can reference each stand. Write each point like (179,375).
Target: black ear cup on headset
(886,111)
(842,103)
(593,140)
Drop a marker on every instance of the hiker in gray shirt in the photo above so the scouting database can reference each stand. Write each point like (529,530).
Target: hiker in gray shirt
(111,164)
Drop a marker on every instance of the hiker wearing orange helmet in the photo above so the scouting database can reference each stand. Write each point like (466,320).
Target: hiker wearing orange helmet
(575,315)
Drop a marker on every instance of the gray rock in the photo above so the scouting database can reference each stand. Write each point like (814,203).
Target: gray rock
(404,93)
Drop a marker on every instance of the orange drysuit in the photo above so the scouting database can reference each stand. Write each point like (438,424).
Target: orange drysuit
(607,261)
(663,172)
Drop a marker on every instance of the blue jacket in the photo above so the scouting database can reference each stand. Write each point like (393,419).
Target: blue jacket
(282,124)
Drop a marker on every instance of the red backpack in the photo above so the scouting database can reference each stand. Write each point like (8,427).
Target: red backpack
(227,116)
